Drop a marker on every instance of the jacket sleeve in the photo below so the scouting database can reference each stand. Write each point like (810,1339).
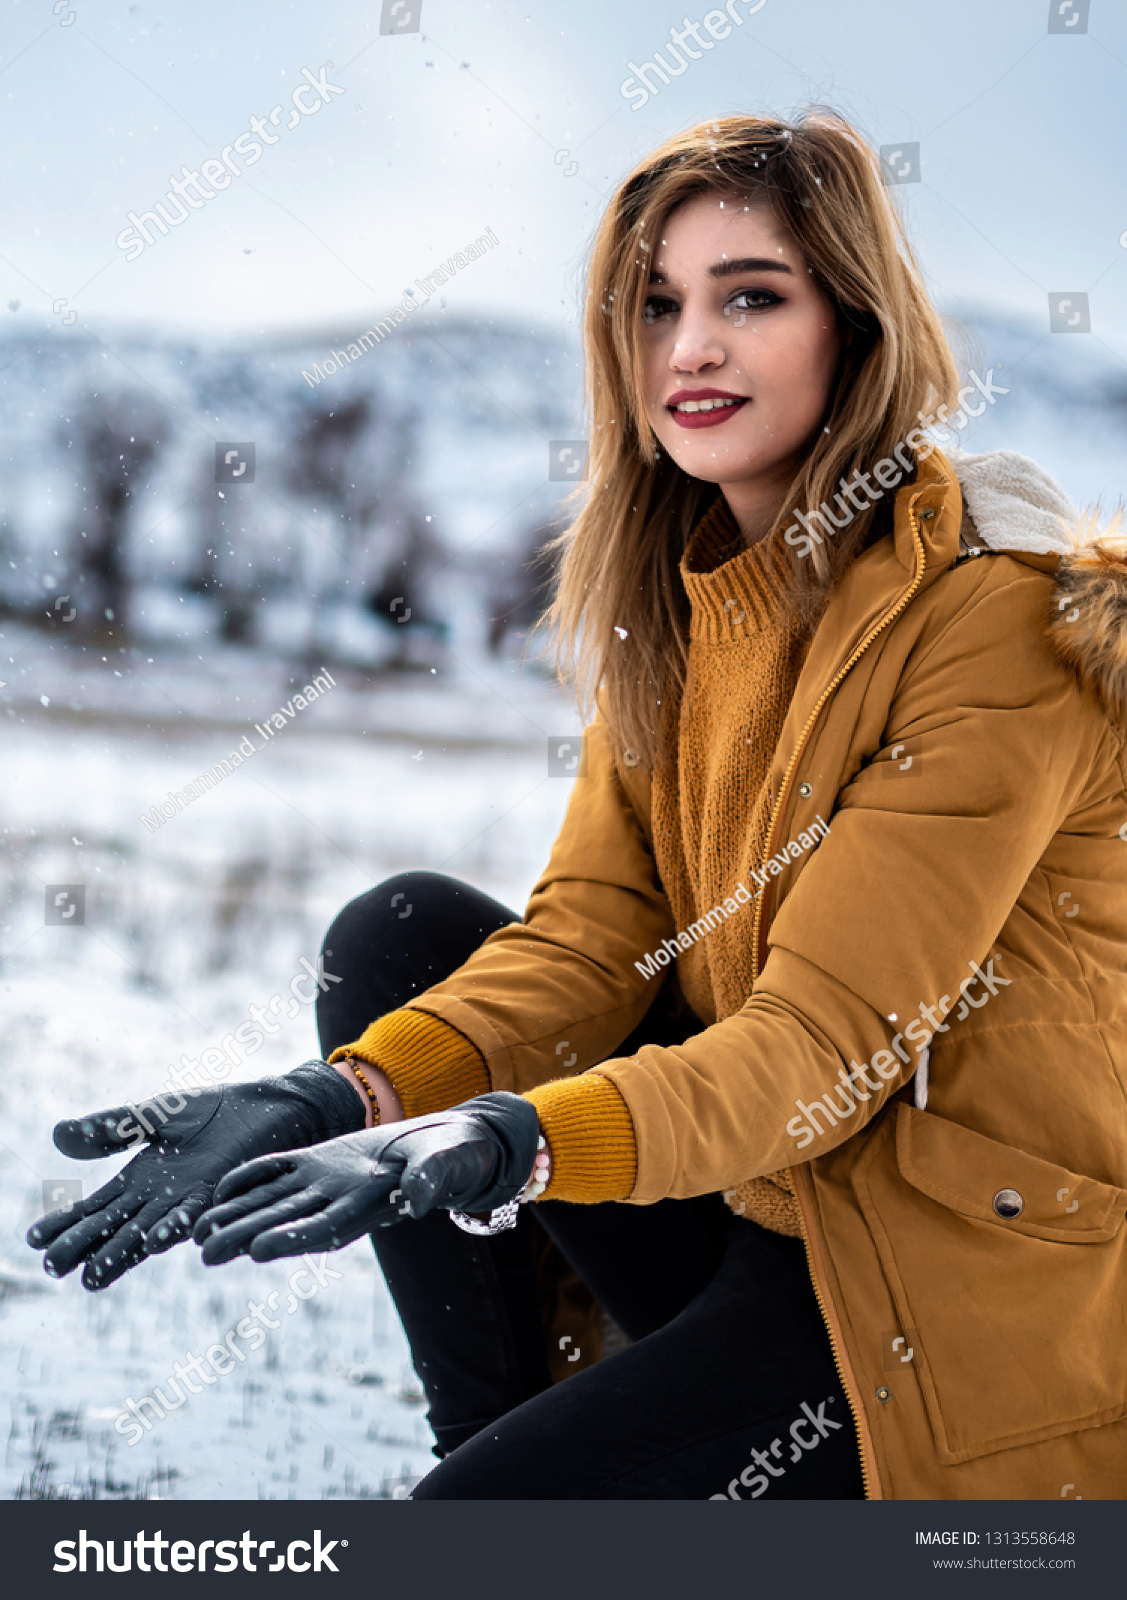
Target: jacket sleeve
(919,872)
(551,995)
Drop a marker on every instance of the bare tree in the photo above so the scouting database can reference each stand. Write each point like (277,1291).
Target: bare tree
(116,440)
(524,588)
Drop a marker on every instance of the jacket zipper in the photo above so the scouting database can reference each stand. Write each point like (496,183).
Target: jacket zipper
(830,689)
(844,1371)
(845,1375)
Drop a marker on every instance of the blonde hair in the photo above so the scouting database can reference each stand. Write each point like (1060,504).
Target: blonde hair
(620,613)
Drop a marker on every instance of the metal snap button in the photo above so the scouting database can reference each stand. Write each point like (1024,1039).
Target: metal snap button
(629,759)
(805,790)
(926,516)
(1008,1203)
(884,1395)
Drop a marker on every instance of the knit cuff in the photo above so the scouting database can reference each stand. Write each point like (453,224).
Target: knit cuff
(429,1064)
(591,1136)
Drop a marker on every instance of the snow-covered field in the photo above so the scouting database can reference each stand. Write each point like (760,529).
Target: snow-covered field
(183,930)
(187,927)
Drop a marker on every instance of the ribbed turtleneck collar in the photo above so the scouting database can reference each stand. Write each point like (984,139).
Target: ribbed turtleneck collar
(734,589)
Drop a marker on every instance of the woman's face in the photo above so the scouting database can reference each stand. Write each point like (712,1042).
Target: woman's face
(739,349)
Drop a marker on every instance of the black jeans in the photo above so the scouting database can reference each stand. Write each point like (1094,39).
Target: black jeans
(730,1387)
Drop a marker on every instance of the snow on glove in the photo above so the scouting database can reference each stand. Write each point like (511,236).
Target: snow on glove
(471,1158)
(153,1203)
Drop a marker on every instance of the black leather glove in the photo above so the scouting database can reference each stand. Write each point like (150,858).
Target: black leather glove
(472,1158)
(153,1202)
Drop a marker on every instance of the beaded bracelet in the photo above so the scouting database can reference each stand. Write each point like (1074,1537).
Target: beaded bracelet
(538,1181)
(367,1087)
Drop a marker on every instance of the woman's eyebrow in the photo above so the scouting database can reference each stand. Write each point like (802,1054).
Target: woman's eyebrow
(728,269)
(734,268)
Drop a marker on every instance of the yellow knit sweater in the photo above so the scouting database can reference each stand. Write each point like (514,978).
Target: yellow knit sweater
(711,809)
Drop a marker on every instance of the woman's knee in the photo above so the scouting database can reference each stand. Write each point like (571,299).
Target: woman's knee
(395,940)
(432,897)
(393,900)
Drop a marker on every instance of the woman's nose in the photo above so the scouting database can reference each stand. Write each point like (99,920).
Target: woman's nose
(698,345)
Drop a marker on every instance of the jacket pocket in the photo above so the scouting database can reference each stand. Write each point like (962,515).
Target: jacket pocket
(1011,1271)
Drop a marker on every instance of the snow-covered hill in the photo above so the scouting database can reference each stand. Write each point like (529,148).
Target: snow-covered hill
(396,502)
(412,479)
(1067,405)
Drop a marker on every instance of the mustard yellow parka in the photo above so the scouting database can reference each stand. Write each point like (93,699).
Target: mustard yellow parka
(947,967)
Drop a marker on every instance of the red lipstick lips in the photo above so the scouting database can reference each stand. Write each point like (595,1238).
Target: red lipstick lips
(724,405)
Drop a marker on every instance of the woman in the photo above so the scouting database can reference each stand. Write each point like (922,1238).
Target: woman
(817,1012)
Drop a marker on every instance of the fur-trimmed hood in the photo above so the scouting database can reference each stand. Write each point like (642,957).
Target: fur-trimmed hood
(1016,507)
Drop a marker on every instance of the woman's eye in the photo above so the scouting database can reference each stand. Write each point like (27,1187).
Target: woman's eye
(752,300)
(657,306)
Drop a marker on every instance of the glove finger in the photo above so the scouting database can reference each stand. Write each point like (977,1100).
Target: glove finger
(87,1138)
(48,1228)
(235,1239)
(177,1224)
(88,1236)
(264,1194)
(263,1169)
(125,1250)
(106,1263)
(339,1224)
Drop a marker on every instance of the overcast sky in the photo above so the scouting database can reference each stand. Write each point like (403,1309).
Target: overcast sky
(510,117)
